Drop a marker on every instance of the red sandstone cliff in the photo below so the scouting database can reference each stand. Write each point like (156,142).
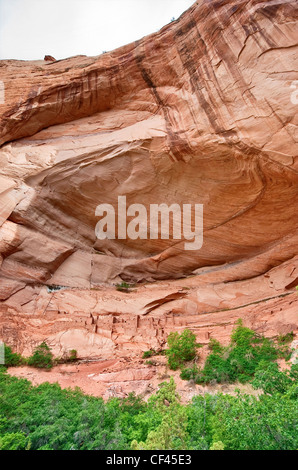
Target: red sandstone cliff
(199,112)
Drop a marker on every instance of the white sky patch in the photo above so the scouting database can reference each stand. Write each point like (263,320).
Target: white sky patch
(31,29)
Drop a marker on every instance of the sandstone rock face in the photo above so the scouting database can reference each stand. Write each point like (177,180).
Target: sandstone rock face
(201,112)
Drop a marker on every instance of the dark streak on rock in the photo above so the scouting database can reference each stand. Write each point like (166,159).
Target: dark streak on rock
(178,146)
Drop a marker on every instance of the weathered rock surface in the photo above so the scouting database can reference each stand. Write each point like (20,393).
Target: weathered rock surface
(197,113)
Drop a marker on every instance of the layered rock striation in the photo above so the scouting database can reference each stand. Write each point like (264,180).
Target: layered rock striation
(201,112)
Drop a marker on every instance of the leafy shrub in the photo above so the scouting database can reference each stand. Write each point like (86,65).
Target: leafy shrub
(148,353)
(73,355)
(285,339)
(272,380)
(217,369)
(42,357)
(14,441)
(191,373)
(124,287)
(239,361)
(68,357)
(182,348)
(12,359)
(215,346)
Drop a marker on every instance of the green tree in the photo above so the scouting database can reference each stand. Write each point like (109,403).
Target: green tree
(272,380)
(237,362)
(12,359)
(182,348)
(172,431)
(41,357)
(14,441)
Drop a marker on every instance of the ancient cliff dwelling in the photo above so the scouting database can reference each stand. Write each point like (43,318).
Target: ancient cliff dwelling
(202,112)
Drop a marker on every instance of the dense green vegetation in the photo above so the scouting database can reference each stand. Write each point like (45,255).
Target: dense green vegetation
(246,354)
(12,359)
(48,417)
(42,357)
(182,348)
(149,353)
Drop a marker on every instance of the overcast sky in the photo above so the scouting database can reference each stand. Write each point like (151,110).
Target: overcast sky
(30,29)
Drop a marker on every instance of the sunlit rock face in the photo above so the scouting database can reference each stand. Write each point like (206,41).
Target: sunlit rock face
(202,112)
